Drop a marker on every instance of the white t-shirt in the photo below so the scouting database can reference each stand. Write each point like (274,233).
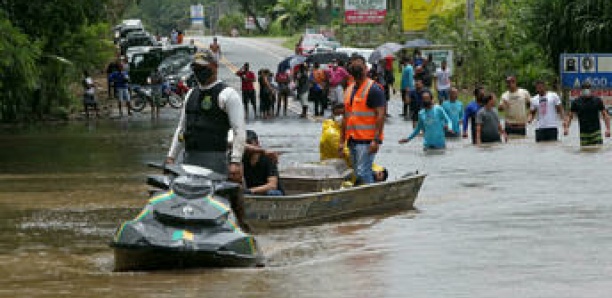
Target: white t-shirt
(546,107)
(516,111)
(91,90)
(443,79)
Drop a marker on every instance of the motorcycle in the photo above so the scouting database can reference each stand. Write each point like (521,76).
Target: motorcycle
(187,223)
(144,95)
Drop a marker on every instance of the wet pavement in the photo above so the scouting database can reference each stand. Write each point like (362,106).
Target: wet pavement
(514,220)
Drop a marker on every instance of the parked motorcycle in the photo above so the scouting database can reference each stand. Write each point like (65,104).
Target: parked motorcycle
(144,95)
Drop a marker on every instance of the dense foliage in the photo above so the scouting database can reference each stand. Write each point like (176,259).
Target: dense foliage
(522,37)
(44,47)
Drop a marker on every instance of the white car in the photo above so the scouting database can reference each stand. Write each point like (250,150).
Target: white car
(365,52)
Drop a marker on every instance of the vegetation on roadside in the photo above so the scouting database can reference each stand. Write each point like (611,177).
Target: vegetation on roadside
(44,48)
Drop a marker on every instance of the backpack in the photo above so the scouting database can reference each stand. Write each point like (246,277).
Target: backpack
(282,77)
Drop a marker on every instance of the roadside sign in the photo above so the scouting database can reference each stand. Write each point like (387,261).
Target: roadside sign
(197,14)
(365,11)
(440,55)
(576,69)
(595,68)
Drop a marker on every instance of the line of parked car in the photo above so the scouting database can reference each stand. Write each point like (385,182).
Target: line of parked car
(147,56)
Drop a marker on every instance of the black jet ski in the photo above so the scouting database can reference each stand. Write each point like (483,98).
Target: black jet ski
(188,224)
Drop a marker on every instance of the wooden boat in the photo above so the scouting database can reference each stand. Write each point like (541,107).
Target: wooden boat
(264,212)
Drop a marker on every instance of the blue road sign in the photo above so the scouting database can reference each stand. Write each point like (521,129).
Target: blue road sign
(575,69)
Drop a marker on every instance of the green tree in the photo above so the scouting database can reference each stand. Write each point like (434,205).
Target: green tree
(570,26)
(18,59)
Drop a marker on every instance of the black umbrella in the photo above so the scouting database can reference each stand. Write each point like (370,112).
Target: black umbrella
(284,65)
(326,58)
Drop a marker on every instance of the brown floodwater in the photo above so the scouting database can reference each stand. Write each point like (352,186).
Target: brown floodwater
(514,220)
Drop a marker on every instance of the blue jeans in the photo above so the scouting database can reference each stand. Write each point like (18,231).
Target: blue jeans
(362,162)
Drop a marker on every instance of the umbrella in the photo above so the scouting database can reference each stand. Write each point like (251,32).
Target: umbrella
(295,60)
(384,50)
(417,43)
(284,64)
(326,58)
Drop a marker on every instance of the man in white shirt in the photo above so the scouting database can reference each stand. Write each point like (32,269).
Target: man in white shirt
(443,83)
(549,110)
(515,103)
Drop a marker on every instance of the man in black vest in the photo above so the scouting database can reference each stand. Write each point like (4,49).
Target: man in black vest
(211,109)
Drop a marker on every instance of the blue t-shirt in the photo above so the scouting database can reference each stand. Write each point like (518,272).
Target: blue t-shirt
(470,113)
(454,110)
(416,97)
(407,77)
(120,79)
(432,122)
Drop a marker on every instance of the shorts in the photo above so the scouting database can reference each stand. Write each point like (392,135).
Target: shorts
(591,138)
(89,100)
(546,134)
(515,130)
(123,94)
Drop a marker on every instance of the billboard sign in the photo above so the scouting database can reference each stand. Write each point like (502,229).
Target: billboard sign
(440,55)
(197,14)
(365,11)
(416,13)
(595,68)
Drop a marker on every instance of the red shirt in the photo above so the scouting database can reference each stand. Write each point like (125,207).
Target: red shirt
(247,78)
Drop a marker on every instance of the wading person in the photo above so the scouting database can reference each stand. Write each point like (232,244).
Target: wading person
(415,100)
(488,126)
(433,122)
(588,108)
(515,103)
(547,107)
(363,122)
(211,109)
(454,109)
(443,83)
(407,85)
(247,78)
(470,113)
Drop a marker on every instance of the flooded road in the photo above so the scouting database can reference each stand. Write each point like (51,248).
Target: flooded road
(515,220)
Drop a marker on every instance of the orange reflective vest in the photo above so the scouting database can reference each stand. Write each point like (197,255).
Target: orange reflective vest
(361,119)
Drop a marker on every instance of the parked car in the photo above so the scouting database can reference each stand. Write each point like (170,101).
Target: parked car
(308,43)
(142,63)
(365,52)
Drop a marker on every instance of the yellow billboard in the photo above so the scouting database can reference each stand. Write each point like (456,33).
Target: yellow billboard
(416,13)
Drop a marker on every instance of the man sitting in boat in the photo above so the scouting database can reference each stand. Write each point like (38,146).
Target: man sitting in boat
(260,172)
(328,144)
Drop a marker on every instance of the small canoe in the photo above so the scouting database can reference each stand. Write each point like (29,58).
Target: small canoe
(265,212)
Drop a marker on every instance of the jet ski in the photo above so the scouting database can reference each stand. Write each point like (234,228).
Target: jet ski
(187,224)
